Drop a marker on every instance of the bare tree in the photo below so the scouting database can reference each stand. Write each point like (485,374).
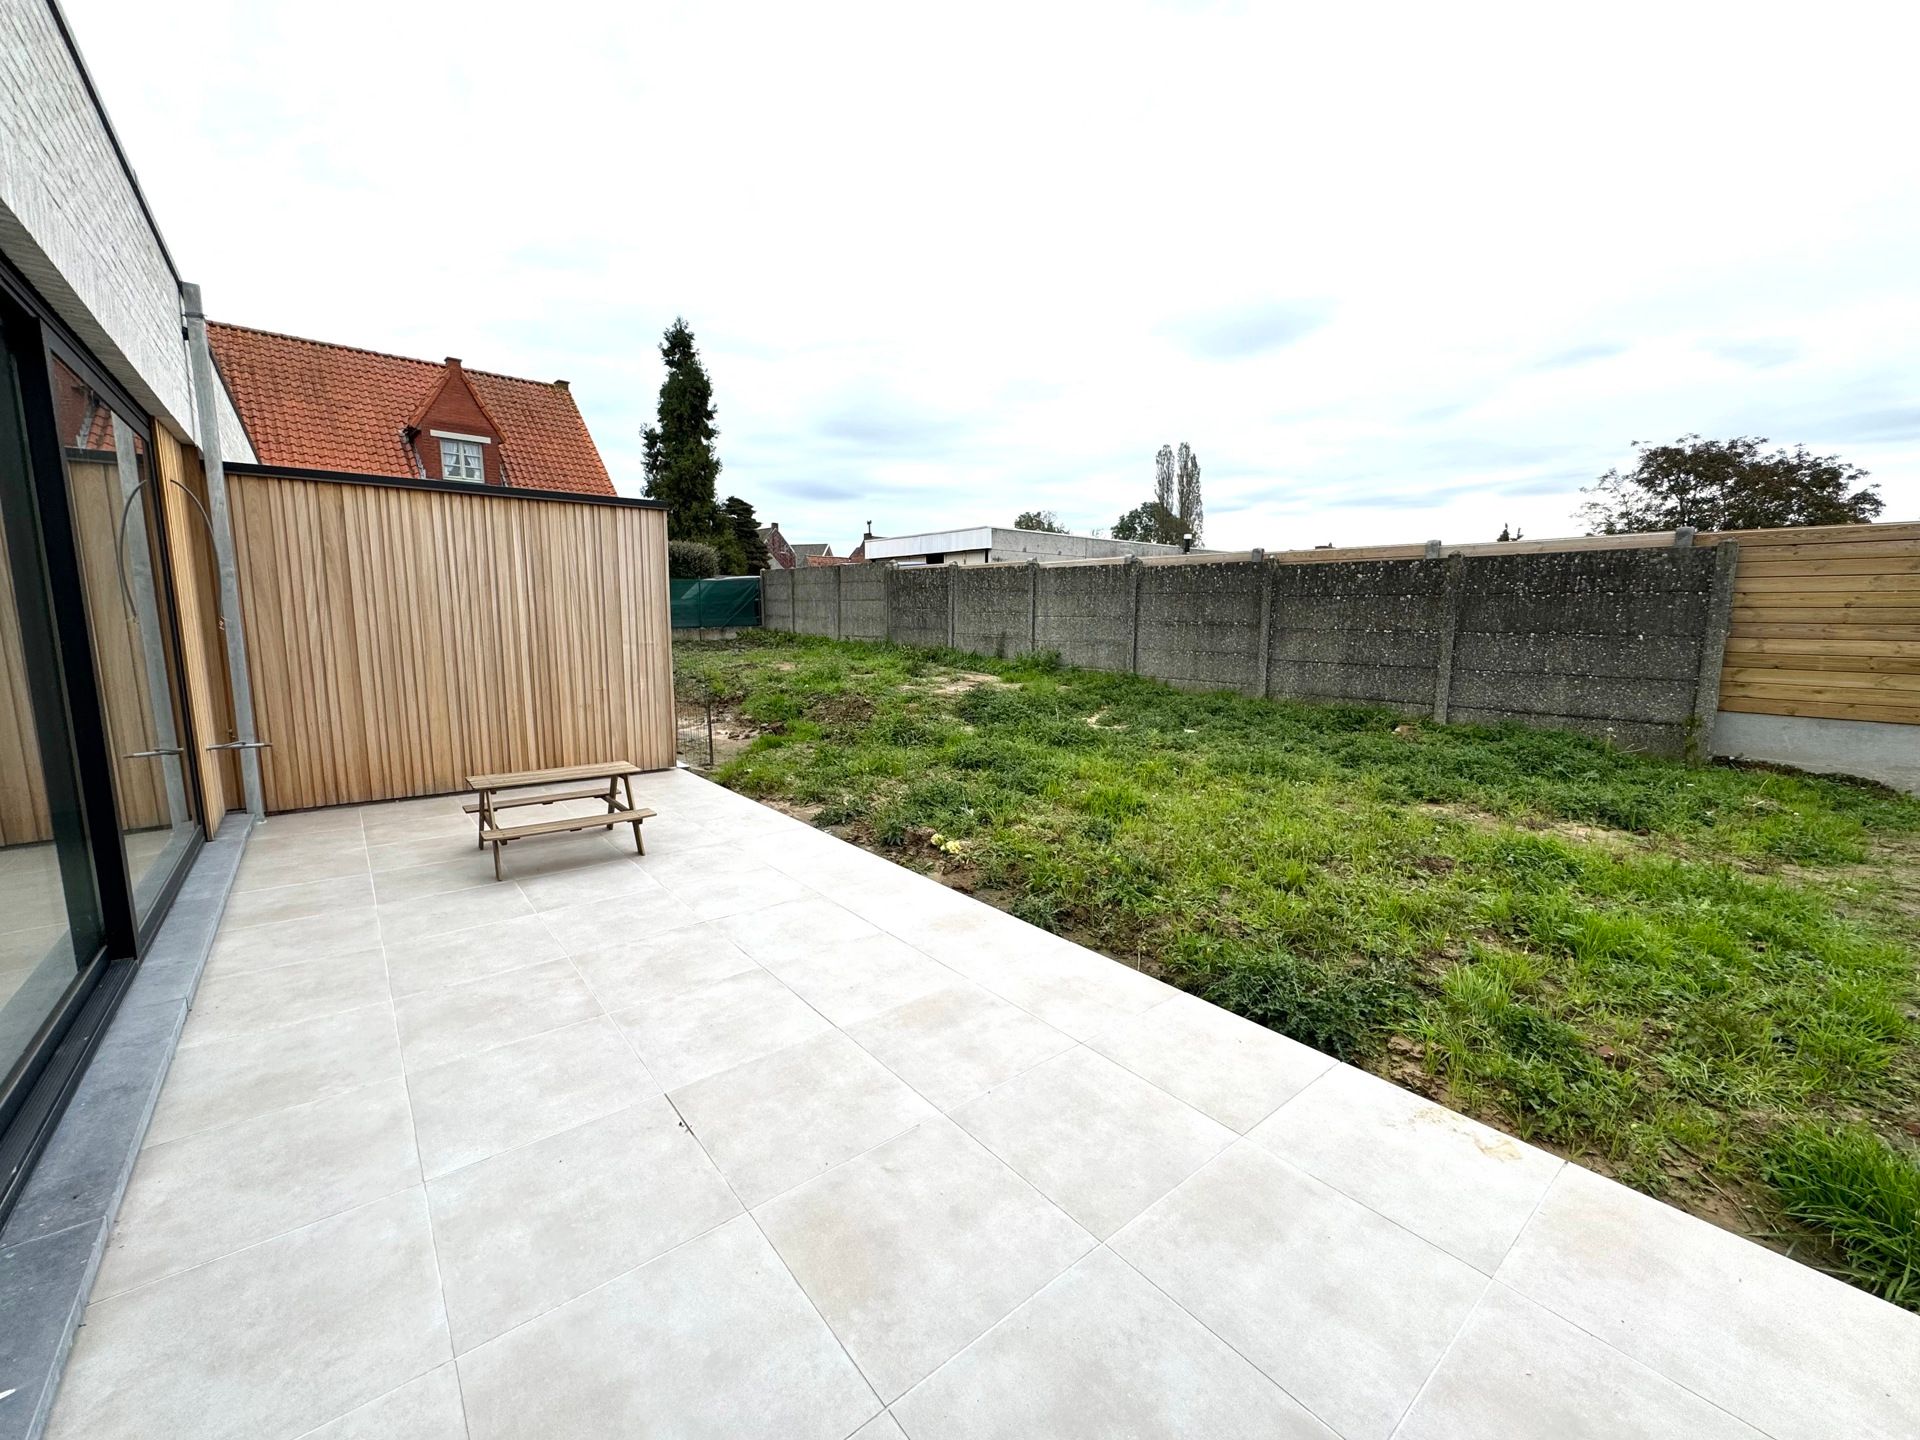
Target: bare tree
(1192,516)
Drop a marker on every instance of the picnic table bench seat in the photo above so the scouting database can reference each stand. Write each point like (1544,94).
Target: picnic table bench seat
(614,788)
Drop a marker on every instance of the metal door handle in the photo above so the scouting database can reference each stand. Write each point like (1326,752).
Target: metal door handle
(243,745)
(149,754)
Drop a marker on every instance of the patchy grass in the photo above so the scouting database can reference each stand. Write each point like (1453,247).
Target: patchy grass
(1676,975)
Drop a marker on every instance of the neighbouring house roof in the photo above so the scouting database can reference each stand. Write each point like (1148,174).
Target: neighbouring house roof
(310,405)
(813,552)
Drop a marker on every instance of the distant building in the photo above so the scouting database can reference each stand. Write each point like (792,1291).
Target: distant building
(784,554)
(982,544)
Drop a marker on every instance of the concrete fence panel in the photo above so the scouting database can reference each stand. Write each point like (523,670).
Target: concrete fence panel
(1084,614)
(1366,631)
(920,602)
(863,602)
(776,599)
(993,609)
(1200,625)
(816,601)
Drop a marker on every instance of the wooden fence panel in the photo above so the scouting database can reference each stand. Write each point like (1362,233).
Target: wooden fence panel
(400,640)
(1826,623)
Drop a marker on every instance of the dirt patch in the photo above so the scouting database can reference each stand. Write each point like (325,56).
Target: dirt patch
(962,681)
(1565,829)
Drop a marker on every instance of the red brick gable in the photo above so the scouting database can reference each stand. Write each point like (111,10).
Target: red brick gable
(453,407)
(310,405)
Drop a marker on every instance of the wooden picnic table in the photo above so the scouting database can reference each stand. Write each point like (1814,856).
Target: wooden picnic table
(611,780)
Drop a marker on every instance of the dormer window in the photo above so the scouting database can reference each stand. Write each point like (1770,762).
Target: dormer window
(461,457)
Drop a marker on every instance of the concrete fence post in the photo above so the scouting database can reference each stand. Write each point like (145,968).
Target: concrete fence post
(1033,605)
(953,603)
(1263,660)
(1133,614)
(839,602)
(889,597)
(1683,536)
(1433,550)
(1713,649)
(1449,624)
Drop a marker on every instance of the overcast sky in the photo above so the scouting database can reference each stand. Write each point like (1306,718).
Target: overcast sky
(1394,275)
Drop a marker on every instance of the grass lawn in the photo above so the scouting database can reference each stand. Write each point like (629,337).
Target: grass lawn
(1701,981)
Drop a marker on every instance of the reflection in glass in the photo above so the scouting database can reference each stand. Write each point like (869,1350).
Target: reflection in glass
(115,521)
(49,910)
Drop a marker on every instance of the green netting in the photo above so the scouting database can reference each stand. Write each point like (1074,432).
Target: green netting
(732,600)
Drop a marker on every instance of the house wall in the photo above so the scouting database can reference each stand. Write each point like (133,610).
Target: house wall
(72,222)
(402,639)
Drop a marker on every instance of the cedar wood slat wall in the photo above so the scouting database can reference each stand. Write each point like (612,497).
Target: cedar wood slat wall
(400,640)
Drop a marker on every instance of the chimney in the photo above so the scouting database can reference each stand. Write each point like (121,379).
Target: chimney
(562,384)
(453,362)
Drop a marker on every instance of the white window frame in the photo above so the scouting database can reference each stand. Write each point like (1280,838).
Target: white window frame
(452,444)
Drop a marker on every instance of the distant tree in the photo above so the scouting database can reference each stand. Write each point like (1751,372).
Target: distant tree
(744,526)
(678,454)
(1039,520)
(1150,521)
(1174,514)
(1187,470)
(691,560)
(1727,485)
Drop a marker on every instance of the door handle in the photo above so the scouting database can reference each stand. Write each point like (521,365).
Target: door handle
(149,754)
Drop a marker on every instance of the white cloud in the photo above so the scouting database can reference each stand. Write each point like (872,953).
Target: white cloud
(1393,273)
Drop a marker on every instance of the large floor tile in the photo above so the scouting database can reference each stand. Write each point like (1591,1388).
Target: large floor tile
(297,901)
(1071,989)
(1519,1371)
(713,1339)
(398,852)
(1222,1065)
(437,1026)
(1461,1184)
(1098,1140)
(441,877)
(1344,1310)
(419,822)
(797,930)
(717,882)
(425,1409)
(414,966)
(957,1043)
(912,1250)
(1099,1353)
(194,1199)
(532,1228)
(268,1342)
(882,1427)
(337,822)
(430,915)
(243,1004)
(245,949)
(612,876)
(775,1122)
(1740,1325)
(650,967)
(602,924)
(853,980)
(469,1109)
(695,1033)
(297,861)
(252,1074)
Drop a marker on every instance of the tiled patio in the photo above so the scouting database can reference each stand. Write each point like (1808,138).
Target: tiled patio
(762,1136)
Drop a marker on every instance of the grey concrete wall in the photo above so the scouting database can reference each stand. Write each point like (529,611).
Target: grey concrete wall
(1200,625)
(993,609)
(1872,749)
(1618,643)
(776,599)
(1607,642)
(816,601)
(863,601)
(1085,615)
(1366,631)
(918,600)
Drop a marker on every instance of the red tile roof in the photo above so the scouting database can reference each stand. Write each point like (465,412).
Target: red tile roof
(314,406)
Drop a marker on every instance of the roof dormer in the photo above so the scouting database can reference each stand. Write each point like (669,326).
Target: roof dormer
(453,435)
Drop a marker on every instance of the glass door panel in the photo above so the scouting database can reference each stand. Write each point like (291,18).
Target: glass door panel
(111,491)
(50,921)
